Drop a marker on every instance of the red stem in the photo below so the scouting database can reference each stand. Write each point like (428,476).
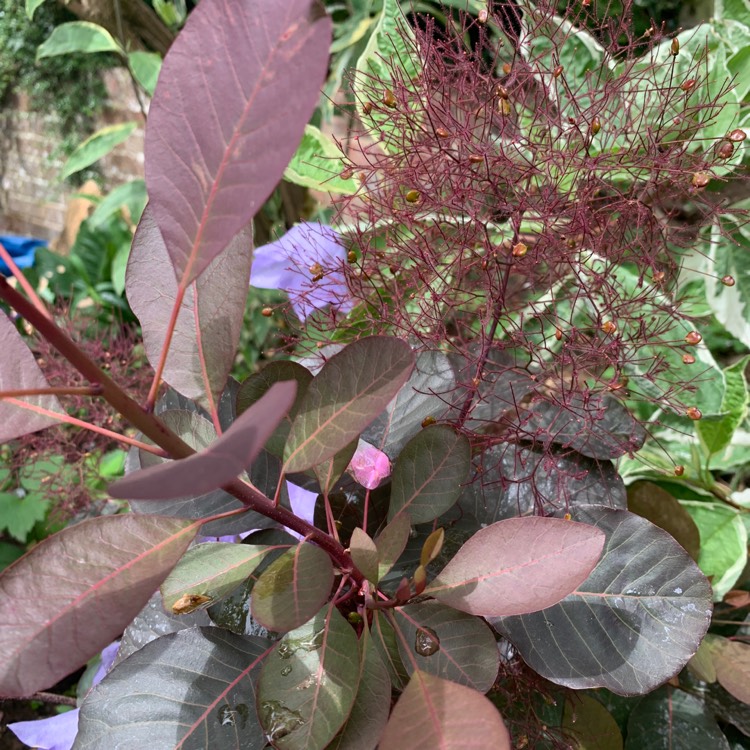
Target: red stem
(152,427)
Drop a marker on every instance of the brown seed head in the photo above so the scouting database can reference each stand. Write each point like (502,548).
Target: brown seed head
(609,327)
(519,250)
(737,136)
(389,99)
(694,413)
(728,280)
(693,338)
(596,126)
(558,71)
(688,359)
(725,150)
(679,470)
(675,48)
(266,312)
(413,196)
(701,179)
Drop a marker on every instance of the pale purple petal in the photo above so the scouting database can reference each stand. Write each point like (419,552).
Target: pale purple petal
(55,733)
(108,659)
(302,502)
(306,251)
(369,466)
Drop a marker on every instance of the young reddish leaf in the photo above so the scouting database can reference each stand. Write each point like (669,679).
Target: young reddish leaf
(732,662)
(234,95)
(434,713)
(432,546)
(391,542)
(429,472)
(19,371)
(518,565)
(364,554)
(218,464)
(369,713)
(207,332)
(351,389)
(293,588)
(308,684)
(211,570)
(447,643)
(73,593)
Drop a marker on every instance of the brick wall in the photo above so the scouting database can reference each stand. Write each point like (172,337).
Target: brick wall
(33,201)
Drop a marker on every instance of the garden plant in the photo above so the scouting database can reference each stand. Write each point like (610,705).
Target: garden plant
(411,529)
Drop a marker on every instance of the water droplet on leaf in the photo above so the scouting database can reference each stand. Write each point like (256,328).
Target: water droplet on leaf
(426,642)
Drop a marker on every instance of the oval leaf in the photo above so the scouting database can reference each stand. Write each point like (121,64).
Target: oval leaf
(293,588)
(661,508)
(732,662)
(429,473)
(207,332)
(218,464)
(369,713)
(391,542)
(448,644)
(433,713)
(96,146)
(213,570)
(351,389)
(78,36)
(669,719)
(588,723)
(257,68)
(309,682)
(192,689)
(19,371)
(633,624)
(364,554)
(73,594)
(518,565)
(145,67)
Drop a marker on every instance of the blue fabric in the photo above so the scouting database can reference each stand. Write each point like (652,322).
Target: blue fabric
(21,249)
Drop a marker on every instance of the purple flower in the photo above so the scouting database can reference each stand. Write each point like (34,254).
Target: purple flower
(21,249)
(306,263)
(59,732)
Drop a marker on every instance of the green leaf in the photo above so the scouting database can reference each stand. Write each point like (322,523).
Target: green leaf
(392,43)
(391,542)
(130,196)
(632,625)
(372,705)
(213,570)
(590,726)
(733,10)
(723,553)
(447,643)
(332,469)
(75,591)
(191,689)
(429,472)
(19,514)
(716,434)
(657,505)
(365,555)
(668,719)
(9,553)
(351,389)
(145,67)
(293,588)
(317,164)
(31,6)
(518,565)
(729,255)
(78,36)
(386,644)
(434,713)
(95,146)
(309,683)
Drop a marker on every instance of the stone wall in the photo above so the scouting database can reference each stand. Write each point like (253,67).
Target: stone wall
(33,201)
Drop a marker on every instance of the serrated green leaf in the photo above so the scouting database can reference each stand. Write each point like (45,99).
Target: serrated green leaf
(95,146)
(213,569)
(18,515)
(716,434)
(293,588)
(723,553)
(309,683)
(429,472)
(78,36)
(317,164)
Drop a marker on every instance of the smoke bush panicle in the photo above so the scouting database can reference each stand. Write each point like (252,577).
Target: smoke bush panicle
(522,216)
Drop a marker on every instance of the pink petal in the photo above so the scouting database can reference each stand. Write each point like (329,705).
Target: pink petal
(369,466)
